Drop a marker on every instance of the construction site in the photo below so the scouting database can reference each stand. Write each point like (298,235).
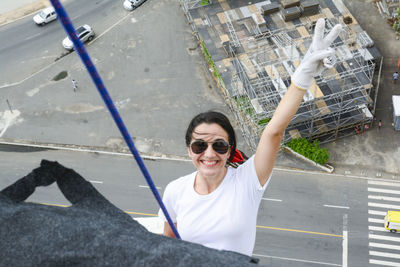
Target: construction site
(253,48)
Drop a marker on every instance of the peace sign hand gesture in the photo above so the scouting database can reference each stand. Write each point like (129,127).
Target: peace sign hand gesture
(318,56)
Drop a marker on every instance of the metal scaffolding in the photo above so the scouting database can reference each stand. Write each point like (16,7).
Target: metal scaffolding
(262,62)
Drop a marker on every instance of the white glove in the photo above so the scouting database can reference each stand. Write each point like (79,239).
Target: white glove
(318,56)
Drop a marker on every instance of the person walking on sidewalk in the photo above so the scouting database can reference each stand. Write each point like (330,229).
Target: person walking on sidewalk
(379,125)
(74,85)
(395,77)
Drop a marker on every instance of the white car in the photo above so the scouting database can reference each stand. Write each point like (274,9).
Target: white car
(45,16)
(132,4)
(84,33)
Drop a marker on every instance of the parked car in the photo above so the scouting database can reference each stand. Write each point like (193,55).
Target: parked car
(45,16)
(84,33)
(132,4)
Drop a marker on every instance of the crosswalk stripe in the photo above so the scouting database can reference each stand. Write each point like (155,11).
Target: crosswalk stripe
(376,212)
(386,206)
(380,245)
(384,254)
(373,220)
(384,237)
(380,190)
(385,263)
(397,199)
(384,183)
(377,228)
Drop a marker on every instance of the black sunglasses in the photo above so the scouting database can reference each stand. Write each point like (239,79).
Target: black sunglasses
(219,146)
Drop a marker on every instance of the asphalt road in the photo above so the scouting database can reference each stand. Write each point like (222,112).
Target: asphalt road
(302,219)
(27,48)
(157,82)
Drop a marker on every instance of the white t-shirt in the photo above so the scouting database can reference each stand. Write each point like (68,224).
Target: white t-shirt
(226,218)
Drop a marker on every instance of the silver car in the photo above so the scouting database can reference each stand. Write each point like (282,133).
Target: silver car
(84,33)
(45,16)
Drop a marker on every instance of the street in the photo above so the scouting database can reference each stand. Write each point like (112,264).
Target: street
(158,79)
(156,82)
(305,218)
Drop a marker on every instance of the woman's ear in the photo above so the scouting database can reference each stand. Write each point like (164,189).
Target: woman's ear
(189,151)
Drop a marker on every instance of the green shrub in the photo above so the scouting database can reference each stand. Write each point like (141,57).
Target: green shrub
(264,122)
(244,102)
(204,2)
(309,150)
(210,61)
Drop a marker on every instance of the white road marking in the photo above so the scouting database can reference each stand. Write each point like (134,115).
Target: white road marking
(112,26)
(397,199)
(345,248)
(384,183)
(375,212)
(384,237)
(272,199)
(384,263)
(373,220)
(379,190)
(8,118)
(146,186)
(380,245)
(386,206)
(377,228)
(338,207)
(96,182)
(299,260)
(384,254)
(33,36)
(345,242)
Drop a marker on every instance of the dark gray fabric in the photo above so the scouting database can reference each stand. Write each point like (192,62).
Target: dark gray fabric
(92,232)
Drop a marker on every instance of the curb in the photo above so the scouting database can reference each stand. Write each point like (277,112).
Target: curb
(91,149)
(327,168)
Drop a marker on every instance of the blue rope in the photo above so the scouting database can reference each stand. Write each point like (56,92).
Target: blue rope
(80,49)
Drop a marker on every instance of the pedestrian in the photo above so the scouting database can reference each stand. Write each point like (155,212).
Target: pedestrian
(74,85)
(217,205)
(395,77)
(379,124)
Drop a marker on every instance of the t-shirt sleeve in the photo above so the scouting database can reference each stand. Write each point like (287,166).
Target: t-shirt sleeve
(248,175)
(169,203)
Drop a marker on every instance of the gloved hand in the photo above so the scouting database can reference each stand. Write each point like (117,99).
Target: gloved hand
(318,56)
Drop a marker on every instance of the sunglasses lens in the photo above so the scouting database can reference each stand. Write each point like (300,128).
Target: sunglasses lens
(220,147)
(199,147)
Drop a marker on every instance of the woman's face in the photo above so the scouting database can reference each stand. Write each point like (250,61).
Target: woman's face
(209,163)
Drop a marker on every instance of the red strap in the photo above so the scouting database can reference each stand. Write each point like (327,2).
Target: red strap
(237,157)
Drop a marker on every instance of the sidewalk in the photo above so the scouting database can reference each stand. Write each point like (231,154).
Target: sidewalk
(372,154)
(376,153)
(11,10)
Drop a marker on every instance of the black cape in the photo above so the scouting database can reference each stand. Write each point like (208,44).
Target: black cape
(91,232)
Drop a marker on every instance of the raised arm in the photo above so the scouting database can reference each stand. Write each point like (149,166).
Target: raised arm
(319,56)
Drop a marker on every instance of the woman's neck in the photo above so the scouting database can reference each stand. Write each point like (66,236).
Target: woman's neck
(204,185)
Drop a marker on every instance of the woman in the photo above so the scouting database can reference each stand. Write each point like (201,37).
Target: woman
(217,206)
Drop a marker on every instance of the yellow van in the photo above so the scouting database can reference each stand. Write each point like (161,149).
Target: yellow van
(392,221)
